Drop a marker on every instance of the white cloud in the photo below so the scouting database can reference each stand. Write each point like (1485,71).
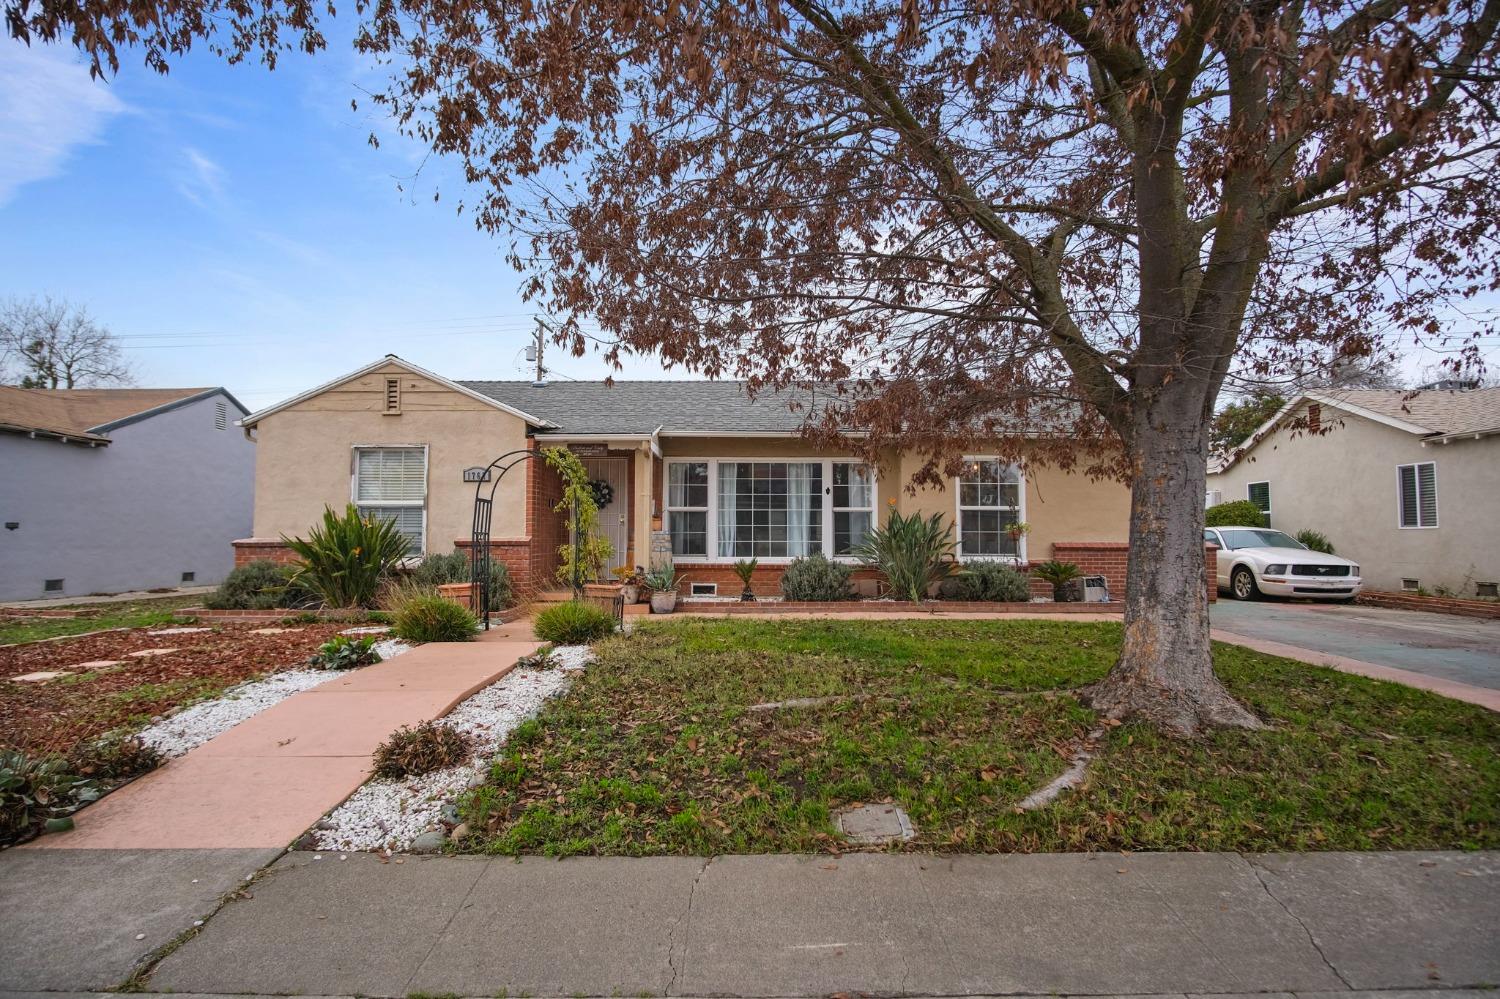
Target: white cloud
(48,106)
(202,180)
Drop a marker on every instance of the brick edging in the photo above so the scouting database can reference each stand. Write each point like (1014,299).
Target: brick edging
(1437,605)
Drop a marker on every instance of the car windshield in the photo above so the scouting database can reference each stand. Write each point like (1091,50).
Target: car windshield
(1247,538)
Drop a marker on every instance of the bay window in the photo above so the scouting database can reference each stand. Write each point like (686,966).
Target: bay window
(390,483)
(989,500)
(728,509)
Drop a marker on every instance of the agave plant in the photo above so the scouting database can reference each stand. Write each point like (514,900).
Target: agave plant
(344,559)
(912,553)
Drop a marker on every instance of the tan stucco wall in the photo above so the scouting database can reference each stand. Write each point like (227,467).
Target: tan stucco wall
(305,455)
(1059,506)
(1344,483)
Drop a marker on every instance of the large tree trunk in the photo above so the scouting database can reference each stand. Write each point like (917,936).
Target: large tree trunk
(1165,671)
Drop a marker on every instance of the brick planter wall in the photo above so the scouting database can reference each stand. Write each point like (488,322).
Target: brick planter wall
(515,553)
(247,550)
(1109,559)
(1489,609)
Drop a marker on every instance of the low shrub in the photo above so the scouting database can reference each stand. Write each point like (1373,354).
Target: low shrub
(912,553)
(815,577)
(1316,540)
(260,586)
(114,757)
(412,752)
(419,614)
(438,569)
(32,790)
(345,558)
(574,623)
(1235,513)
(988,581)
(345,652)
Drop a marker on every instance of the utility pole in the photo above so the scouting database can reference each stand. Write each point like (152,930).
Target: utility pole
(534,351)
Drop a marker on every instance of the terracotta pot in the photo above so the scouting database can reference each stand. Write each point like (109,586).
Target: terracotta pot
(602,589)
(663,601)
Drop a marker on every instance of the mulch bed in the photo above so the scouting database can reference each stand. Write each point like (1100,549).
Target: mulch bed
(55,715)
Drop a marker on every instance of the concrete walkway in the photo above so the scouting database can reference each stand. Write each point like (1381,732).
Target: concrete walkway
(1045,924)
(266,781)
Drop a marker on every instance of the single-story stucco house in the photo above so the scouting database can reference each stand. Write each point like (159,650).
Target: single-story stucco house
(697,474)
(108,490)
(1407,485)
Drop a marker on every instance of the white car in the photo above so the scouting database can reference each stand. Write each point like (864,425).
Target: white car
(1258,560)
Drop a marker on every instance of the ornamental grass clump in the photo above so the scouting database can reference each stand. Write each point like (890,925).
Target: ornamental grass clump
(912,553)
(346,558)
(574,623)
(412,752)
(422,615)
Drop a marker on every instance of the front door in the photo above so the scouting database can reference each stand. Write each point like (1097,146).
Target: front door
(614,508)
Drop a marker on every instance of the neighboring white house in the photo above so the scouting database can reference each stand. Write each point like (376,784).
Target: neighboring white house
(107,490)
(1406,485)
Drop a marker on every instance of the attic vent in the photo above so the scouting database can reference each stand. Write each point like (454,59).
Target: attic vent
(52,586)
(1411,584)
(1315,418)
(393,395)
(221,416)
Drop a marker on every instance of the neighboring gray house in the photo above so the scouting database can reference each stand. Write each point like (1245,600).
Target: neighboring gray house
(1406,484)
(107,490)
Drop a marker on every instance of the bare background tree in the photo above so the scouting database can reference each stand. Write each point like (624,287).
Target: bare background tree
(50,344)
(1061,225)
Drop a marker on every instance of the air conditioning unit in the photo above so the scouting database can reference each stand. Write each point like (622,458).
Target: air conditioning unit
(1095,590)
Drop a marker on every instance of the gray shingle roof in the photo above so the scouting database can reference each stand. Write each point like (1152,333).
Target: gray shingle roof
(1441,411)
(639,407)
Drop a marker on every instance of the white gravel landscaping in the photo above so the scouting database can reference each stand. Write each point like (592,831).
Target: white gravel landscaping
(196,724)
(391,814)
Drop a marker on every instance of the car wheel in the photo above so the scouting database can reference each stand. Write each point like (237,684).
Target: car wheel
(1242,584)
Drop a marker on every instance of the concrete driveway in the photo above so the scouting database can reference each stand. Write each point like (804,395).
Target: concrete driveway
(1464,650)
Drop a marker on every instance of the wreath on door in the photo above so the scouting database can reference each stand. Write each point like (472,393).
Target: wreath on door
(604,493)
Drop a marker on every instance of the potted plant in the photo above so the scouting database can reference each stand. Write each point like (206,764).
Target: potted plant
(630,578)
(745,569)
(663,583)
(1061,575)
(1017,529)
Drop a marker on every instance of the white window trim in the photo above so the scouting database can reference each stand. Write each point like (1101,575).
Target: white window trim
(426,487)
(1270,503)
(1021,556)
(1418,526)
(712,541)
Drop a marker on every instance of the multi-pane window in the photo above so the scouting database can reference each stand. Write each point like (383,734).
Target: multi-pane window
(989,500)
(1418,494)
(1259,493)
(687,507)
(391,483)
(733,509)
(853,504)
(770,509)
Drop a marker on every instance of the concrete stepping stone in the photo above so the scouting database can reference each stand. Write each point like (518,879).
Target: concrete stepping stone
(273,631)
(93,664)
(874,824)
(41,676)
(177,631)
(378,629)
(151,653)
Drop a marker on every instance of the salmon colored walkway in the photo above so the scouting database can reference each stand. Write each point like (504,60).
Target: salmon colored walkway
(266,781)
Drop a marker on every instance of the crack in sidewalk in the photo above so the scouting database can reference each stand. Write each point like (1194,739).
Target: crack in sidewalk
(682,921)
(438,938)
(1311,939)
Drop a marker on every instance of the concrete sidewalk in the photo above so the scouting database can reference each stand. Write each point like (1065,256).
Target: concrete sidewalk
(891,924)
(264,782)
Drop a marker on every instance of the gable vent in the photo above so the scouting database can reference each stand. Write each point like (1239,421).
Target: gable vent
(221,416)
(393,395)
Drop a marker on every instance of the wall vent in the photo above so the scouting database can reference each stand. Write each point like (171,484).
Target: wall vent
(393,395)
(52,586)
(704,590)
(1487,589)
(1411,584)
(221,416)
(188,577)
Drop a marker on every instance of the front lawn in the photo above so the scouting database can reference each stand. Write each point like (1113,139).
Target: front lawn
(657,749)
(147,612)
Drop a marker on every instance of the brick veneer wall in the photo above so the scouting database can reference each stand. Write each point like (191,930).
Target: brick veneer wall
(1109,559)
(247,550)
(544,525)
(515,553)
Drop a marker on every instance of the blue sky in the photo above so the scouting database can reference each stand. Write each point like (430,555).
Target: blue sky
(234,227)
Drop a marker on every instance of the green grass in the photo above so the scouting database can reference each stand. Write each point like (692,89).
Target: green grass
(654,749)
(98,617)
